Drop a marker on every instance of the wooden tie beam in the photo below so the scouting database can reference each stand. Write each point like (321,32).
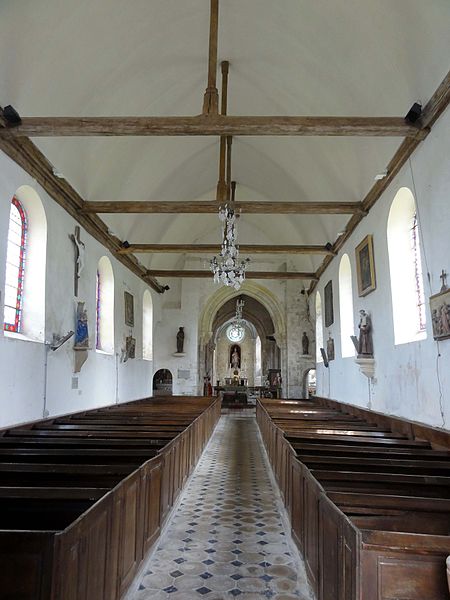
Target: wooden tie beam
(248,275)
(214,248)
(217,125)
(205,207)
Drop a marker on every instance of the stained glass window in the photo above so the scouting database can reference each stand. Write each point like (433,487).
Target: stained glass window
(98,309)
(418,276)
(15,267)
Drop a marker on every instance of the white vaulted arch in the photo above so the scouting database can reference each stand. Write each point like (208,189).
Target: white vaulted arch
(252,289)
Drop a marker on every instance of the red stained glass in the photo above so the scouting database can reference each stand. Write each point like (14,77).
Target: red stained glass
(15,267)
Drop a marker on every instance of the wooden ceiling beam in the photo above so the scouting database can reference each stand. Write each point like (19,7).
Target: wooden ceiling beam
(207,125)
(169,273)
(214,248)
(211,97)
(249,207)
(434,108)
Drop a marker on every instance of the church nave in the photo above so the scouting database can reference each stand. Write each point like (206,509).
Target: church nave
(227,537)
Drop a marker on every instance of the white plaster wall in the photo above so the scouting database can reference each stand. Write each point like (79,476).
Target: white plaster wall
(412,380)
(35,379)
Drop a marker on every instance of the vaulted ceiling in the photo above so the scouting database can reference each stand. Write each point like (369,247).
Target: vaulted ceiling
(149,58)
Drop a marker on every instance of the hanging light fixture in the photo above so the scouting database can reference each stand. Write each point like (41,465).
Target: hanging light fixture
(236,329)
(228,269)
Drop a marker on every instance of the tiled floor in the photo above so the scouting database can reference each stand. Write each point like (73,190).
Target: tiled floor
(226,539)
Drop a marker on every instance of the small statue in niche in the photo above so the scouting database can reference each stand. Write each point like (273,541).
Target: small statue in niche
(180,340)
(305,343)
(330,347)
(235,359)
(365,344)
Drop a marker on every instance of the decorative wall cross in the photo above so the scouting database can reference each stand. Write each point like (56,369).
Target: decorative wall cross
(79,257)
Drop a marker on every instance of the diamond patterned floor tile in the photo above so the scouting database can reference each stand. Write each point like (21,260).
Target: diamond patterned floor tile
(226,538)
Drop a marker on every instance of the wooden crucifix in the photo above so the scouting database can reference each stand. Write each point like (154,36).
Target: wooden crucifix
(79,257)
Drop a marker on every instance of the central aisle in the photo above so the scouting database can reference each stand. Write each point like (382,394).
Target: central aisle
(226,538)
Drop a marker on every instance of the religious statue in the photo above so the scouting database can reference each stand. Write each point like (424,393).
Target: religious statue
(305,343)
(330,347)
(81,344)
(79,256)
(235,358)
(81,333)
(365,344)
(180,340)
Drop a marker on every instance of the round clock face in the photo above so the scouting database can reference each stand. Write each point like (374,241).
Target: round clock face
(235,333)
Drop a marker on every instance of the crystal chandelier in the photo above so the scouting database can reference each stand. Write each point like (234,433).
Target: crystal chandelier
(228,268)
(236,329)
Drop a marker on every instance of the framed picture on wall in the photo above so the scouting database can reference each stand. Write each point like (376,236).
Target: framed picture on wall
(129,309)
(365,266)
(329,314)
(440,315)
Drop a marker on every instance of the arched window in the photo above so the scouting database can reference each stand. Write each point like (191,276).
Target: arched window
(24,295)
(104,331)
(346,306)
(147,326)
(319,328)
(408,302)
(258,361)
(15,267)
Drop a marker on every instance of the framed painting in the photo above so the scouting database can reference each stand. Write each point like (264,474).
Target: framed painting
(329,314)
(440,315)
(129,309)
(365,266)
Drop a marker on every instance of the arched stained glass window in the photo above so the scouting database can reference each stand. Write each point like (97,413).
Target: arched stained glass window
(147,326)
(98,344)
(104,338)
(346,306)
(319,328)
(15,267)
(408,302)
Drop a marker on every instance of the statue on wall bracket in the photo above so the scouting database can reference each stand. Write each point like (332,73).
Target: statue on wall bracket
(180,343)
(81,343)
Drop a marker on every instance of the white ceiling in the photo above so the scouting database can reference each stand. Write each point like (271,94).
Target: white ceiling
(288,57)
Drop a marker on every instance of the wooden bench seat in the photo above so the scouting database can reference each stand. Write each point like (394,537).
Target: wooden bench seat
(83,497)
(369,504)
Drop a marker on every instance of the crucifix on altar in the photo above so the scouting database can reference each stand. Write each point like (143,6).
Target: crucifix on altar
(79,257)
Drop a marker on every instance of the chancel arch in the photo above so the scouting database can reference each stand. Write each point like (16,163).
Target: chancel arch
(248,358)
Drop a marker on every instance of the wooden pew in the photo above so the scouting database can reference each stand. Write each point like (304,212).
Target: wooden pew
(369,504)
(83,497)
